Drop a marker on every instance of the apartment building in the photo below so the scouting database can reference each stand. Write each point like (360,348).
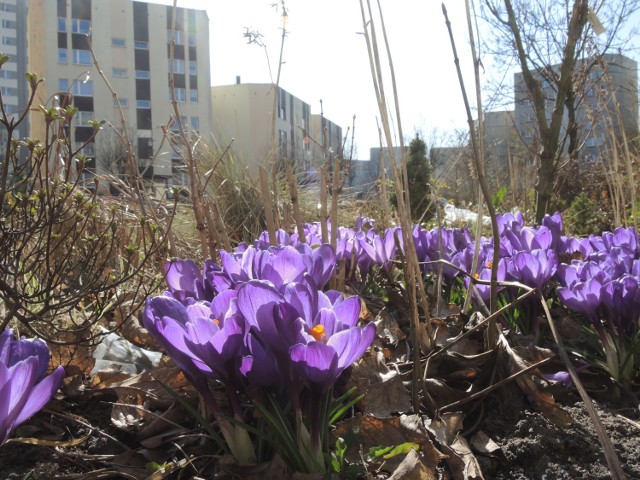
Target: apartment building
(326,144)
(607,112)
(14,45)
(244,112)
(607,104)
(131,41)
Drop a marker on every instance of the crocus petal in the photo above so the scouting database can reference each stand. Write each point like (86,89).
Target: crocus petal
(182,277)
(316,363)
(30,347)
(286,266)
(40,395)
(348,311)
(16,383)
(350,344)
(224,305)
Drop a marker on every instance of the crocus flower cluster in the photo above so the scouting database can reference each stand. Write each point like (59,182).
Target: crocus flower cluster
(598,276)
(603,284)
(25,387)
(261,319)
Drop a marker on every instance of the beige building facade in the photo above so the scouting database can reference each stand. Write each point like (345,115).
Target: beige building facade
(244,112)
(131,42)
(13,44)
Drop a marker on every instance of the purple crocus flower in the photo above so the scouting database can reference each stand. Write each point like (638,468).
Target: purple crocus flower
(382,249)
(621,300)
(485,274)
(321,362)
(511,222)
(234,268)
(303,316)
(349,248)
(554,224)
(533,268)
(573,246)
(584,297)
(626,238)
(166,320)
(25,387)
(185,281)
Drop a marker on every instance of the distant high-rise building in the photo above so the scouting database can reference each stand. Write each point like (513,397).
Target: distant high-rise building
(606,108)
(244,112)
(607,104)
(131,42)
(12,74)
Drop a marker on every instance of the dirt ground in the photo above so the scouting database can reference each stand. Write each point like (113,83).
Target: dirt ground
(532,447)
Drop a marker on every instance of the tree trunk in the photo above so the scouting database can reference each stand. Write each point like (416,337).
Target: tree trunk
(544,186)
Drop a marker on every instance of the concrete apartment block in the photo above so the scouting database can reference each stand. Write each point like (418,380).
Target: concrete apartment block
(131,42)
(13,43)
(244,112)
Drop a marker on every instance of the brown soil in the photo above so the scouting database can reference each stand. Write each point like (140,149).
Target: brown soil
(533,447)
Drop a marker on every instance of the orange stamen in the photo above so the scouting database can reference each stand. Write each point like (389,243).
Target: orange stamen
(318,333)
(489,264)
(476,275)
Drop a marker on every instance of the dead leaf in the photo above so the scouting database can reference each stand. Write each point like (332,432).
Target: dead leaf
(481,443)
(514,362)
(412,468)
(387,328)
(363,432)
(385,393)
(461,461)
(471,469)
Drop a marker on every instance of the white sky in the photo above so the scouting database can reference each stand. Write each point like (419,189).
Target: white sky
(325,58)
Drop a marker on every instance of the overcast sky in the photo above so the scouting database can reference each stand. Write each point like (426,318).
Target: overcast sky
(325,57)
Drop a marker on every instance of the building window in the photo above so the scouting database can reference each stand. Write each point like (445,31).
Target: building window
(81,57)
(8,74)
(193,67)
(7,7)
(193,95)
(119,72)
(178,66)
(282,105)
(89,149)
(118,42)
(141,45)
(80,26)
(82,89)
(63,85)
(143,104)
(143,74)
(84,118)
(195,123)
(62,24)
(178,37)
(122,102)
(62,55)
(181,94)
(9,41)
(9,91)
(8,24)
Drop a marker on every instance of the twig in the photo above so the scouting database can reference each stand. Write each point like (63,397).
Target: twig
(268,207)
(491,388)
(615,467)
(293,192)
